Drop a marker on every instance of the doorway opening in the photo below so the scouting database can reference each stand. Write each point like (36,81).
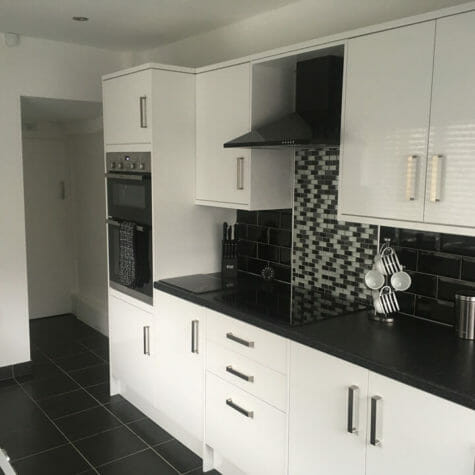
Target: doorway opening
(63,176)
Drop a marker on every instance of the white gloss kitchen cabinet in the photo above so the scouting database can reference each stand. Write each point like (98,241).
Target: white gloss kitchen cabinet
(408,130)
(234,177)
(127,108)
(348,420)
(132,362)
(179,373)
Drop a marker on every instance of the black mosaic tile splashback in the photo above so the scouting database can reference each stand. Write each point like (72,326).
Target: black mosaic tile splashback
(265,239)
(439,264)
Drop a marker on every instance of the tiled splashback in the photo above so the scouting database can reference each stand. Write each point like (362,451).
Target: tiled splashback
(440,265)
(265,239)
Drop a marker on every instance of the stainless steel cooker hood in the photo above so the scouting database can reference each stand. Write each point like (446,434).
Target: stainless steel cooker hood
(316,120)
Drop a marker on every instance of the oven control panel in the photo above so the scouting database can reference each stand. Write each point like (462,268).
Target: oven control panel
(130,162)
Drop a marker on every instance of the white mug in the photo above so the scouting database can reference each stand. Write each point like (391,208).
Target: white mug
(374,279)
(401,281)
(387,262)
(385,301)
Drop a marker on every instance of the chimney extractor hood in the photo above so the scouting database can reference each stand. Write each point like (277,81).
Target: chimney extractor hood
(316,120)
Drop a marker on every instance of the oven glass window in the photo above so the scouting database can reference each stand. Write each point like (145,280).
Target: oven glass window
(129,195)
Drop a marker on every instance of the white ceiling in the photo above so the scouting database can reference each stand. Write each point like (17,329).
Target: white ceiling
(34,109)
(125,24)
(133,25)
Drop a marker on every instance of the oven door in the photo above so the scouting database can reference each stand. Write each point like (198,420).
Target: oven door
(129,197)
(143,290)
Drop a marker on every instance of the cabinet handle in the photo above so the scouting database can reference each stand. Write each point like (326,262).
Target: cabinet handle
(236,339)
(353,409)
(436,181)
(411,177)
(374,436)
(237,408)
(146,340)
(234,372)
(240,173)
(194,336)
(143,111)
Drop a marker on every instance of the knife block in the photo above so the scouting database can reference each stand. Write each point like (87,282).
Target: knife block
(229,259)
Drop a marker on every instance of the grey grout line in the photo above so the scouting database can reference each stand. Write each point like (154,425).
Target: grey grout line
(122,458)
(19,459)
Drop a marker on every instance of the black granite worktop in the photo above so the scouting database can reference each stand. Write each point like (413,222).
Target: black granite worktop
(421,354)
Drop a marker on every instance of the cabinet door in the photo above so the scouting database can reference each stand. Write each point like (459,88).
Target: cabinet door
(180,348)
(386,120)
(451,171)
(130,334)
(418,433)
(320,412)
(222,113)
(127,108)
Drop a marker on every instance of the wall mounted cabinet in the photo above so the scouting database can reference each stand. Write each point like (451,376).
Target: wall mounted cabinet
(408,136)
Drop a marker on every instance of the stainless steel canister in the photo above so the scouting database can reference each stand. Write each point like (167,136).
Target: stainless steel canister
(465,314)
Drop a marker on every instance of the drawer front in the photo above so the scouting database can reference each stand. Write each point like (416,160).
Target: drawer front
(259,345)
(244,430)
(262,382)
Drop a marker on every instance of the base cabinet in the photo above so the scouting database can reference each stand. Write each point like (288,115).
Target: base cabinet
(132,359)
(179,374)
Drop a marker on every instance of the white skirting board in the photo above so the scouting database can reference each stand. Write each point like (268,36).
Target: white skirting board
(92,312)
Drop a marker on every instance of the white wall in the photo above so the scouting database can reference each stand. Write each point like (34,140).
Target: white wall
(301,21)
(37,68)
(86,152)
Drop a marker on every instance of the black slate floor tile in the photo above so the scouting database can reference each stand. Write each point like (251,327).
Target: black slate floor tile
(24,441)
(55,350)
(199,471)
(110,445)
(91,376)
(101,392)
(63,460)
(41,370)
(102,353)
(143,463)
(76,362)
(87,423)
(68,403)
(97,341)
(125,411)
(49,387)
(182,458)
(150,432)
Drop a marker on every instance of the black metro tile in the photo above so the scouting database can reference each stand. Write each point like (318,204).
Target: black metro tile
(75,362)
(91,376)
(449,287)
(24,441)
(68,403)
(101,392)
(49,387)
(407,302)
(268,253)
(86,423)
(150,432)
(462,245)
(439,264)
(258,234)
(407,257)
(247,248)
(182,458)
(143,463)
(468,269)
(281,237)
(282,273)
(389,233)
(268,218)
(423,284)
(63,460)
(286,220)
(285,256)
(241,231)
(255,266)
(419,240)
(6,372)
(110,445)
(246,217)
(242,263)
(125,411)
(437,310)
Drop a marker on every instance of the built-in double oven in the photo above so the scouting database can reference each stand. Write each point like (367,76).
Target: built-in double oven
(129,202)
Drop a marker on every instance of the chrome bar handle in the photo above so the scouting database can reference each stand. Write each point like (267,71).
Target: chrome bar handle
(375,421)
(411,177)
(236,339)
(353,409)
(240,173)
(239,409)
(112,222)
(146,340)
(143,111)
(125,176)
(435,181)
(194,336)
(234,372)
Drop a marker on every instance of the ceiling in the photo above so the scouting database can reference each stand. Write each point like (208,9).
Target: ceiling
(134,25)
(125,24)
(35,109)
